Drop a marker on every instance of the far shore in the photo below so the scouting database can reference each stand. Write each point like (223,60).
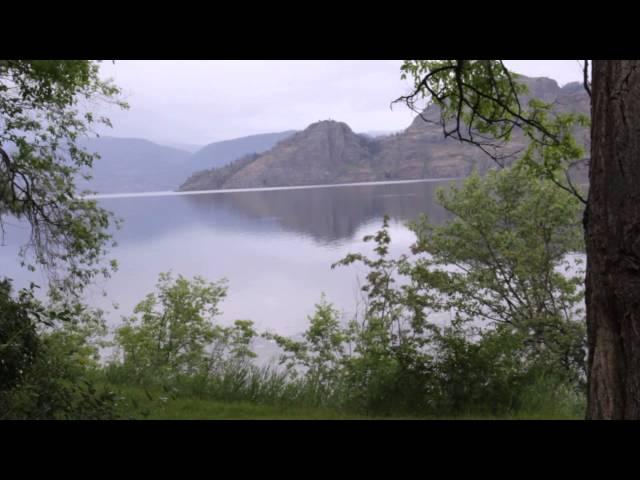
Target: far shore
(99,196)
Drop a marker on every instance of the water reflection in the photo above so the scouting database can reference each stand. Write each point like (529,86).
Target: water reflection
(275,247)
(327,215)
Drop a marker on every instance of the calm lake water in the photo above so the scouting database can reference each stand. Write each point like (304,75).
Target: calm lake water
(275,247)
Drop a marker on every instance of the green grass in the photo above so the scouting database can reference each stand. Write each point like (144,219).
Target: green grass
(136,403)
(197,409)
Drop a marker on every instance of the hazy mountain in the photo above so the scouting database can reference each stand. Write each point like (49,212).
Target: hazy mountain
(330,152)
(218,154)
(137,165)
(133,165)
(187,147)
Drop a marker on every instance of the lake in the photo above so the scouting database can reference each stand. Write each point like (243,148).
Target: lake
(274,246)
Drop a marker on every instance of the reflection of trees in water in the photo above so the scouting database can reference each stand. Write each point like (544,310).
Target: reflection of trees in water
(329,214)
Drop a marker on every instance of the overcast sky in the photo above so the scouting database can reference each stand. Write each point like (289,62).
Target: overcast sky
(198,102)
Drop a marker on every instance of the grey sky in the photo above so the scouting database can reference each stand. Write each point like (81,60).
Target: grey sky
(198,102)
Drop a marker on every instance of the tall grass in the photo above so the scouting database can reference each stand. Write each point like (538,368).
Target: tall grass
(248,391)
(266,386)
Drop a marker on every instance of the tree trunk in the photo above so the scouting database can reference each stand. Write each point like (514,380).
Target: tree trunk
(612,233)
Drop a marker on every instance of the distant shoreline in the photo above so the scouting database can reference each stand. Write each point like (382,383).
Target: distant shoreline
(100,196)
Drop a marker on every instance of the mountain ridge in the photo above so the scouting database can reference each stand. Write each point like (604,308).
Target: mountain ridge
(218,154)
(131,165)
(329,152)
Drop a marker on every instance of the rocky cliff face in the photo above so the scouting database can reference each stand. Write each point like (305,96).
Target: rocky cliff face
(330,152)
(325,152)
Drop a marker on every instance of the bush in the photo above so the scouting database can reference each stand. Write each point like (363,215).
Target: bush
(19,341)
(500,266)
(168,334)
(49,361)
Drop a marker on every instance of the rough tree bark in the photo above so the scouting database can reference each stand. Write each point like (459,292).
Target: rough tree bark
(612,233)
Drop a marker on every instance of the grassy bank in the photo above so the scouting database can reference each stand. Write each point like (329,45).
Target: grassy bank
(140,404)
